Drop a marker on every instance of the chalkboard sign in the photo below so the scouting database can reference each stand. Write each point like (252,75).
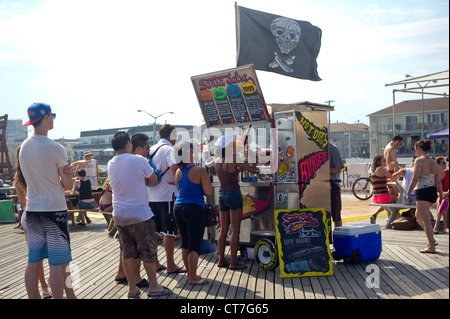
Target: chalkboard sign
(230,97)
(303,242)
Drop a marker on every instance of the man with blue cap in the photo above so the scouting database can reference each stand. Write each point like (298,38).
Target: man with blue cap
(47,173)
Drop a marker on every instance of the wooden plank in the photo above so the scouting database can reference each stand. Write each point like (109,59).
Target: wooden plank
(326,287)
(251,284)
(392,269)
(404,272)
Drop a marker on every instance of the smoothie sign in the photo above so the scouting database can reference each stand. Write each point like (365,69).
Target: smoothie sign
(230,97)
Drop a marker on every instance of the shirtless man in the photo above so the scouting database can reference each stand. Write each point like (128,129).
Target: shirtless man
(391,159)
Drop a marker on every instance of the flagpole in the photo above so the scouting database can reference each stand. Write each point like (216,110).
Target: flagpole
(237,28)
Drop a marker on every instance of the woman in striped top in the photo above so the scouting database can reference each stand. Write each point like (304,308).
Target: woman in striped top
(380,191)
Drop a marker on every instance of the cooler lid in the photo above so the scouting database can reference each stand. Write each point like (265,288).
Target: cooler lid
(356,229)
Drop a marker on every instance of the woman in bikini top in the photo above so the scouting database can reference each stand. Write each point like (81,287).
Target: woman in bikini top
(425,174)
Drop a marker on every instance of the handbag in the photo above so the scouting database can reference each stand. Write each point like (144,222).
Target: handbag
(211,215)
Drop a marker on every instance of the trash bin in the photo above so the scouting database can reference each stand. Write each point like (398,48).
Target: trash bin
(6,212)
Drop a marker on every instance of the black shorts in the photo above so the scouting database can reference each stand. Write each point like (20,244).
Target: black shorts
(164,219)
(428,194)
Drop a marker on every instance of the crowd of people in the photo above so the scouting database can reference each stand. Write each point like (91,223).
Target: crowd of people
(425,184)
(146,201)
(167,198)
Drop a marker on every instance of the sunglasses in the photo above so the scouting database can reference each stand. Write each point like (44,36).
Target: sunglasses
(52,114)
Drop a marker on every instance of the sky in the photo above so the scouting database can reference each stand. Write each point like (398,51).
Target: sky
(96,62)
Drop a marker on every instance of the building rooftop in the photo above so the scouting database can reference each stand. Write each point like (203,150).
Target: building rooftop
(129,129)
(344,127)
(415,106)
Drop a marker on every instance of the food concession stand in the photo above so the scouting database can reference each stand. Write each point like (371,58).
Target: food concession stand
(291,143)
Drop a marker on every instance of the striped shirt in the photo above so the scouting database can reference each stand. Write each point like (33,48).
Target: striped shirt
(379,185)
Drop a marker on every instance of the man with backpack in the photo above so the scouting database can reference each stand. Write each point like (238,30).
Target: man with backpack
(162,195)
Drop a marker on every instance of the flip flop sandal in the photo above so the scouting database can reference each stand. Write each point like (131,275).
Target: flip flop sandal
(121,280)
(161,268)
(46,294)
(237,267)
(202,281)
(178,271)
(426,251)
(166,291)
(224,265)
(143,283)
(136,295)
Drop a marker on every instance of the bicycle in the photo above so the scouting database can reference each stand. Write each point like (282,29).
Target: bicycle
(362,188)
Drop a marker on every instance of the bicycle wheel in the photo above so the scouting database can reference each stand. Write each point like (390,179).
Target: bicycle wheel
(362,188)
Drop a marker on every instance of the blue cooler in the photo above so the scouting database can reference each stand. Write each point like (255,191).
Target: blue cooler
(357,243)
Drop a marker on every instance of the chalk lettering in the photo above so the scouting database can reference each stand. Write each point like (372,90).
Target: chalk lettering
(218,81)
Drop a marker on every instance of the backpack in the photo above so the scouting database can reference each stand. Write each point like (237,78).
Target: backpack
(404,223)
(155,169)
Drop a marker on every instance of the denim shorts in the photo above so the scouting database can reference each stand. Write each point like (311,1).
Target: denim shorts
(405,201)
(84,205)
(230,200)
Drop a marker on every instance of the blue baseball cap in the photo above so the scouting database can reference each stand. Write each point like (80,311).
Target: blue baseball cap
(36,111)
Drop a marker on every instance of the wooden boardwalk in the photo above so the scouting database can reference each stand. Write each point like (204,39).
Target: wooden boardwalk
(404,273)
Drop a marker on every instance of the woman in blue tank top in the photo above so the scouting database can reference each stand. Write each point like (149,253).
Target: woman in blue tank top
(193,183)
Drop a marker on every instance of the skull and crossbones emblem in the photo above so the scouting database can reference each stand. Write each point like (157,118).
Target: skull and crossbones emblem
(287,34)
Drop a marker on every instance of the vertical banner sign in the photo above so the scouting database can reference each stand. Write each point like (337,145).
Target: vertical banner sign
(302,241)
(230,96)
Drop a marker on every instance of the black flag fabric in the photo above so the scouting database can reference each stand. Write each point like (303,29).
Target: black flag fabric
(278,44)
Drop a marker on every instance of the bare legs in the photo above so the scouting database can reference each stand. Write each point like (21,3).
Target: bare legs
(227,218)
(423,217)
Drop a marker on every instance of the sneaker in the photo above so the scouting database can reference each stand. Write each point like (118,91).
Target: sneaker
(373,219)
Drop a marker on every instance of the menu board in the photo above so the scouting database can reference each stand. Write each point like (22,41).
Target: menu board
(303,242)
(230,96)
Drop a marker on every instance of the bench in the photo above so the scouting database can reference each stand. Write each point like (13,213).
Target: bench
(78,210)
(394,208)
(106,215)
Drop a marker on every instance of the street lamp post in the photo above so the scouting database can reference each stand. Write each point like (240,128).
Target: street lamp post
(154,123)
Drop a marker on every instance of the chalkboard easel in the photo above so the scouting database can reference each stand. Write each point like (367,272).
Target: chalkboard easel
(303,242)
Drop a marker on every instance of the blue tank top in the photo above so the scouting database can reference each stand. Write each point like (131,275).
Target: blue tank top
(189,193)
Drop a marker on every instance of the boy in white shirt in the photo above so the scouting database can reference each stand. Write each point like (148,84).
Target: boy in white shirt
(162,196)
(128,175)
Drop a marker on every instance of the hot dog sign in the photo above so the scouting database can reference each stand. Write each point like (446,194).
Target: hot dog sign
(303,242)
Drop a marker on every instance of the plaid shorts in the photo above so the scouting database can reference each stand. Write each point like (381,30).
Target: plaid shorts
(139,241)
